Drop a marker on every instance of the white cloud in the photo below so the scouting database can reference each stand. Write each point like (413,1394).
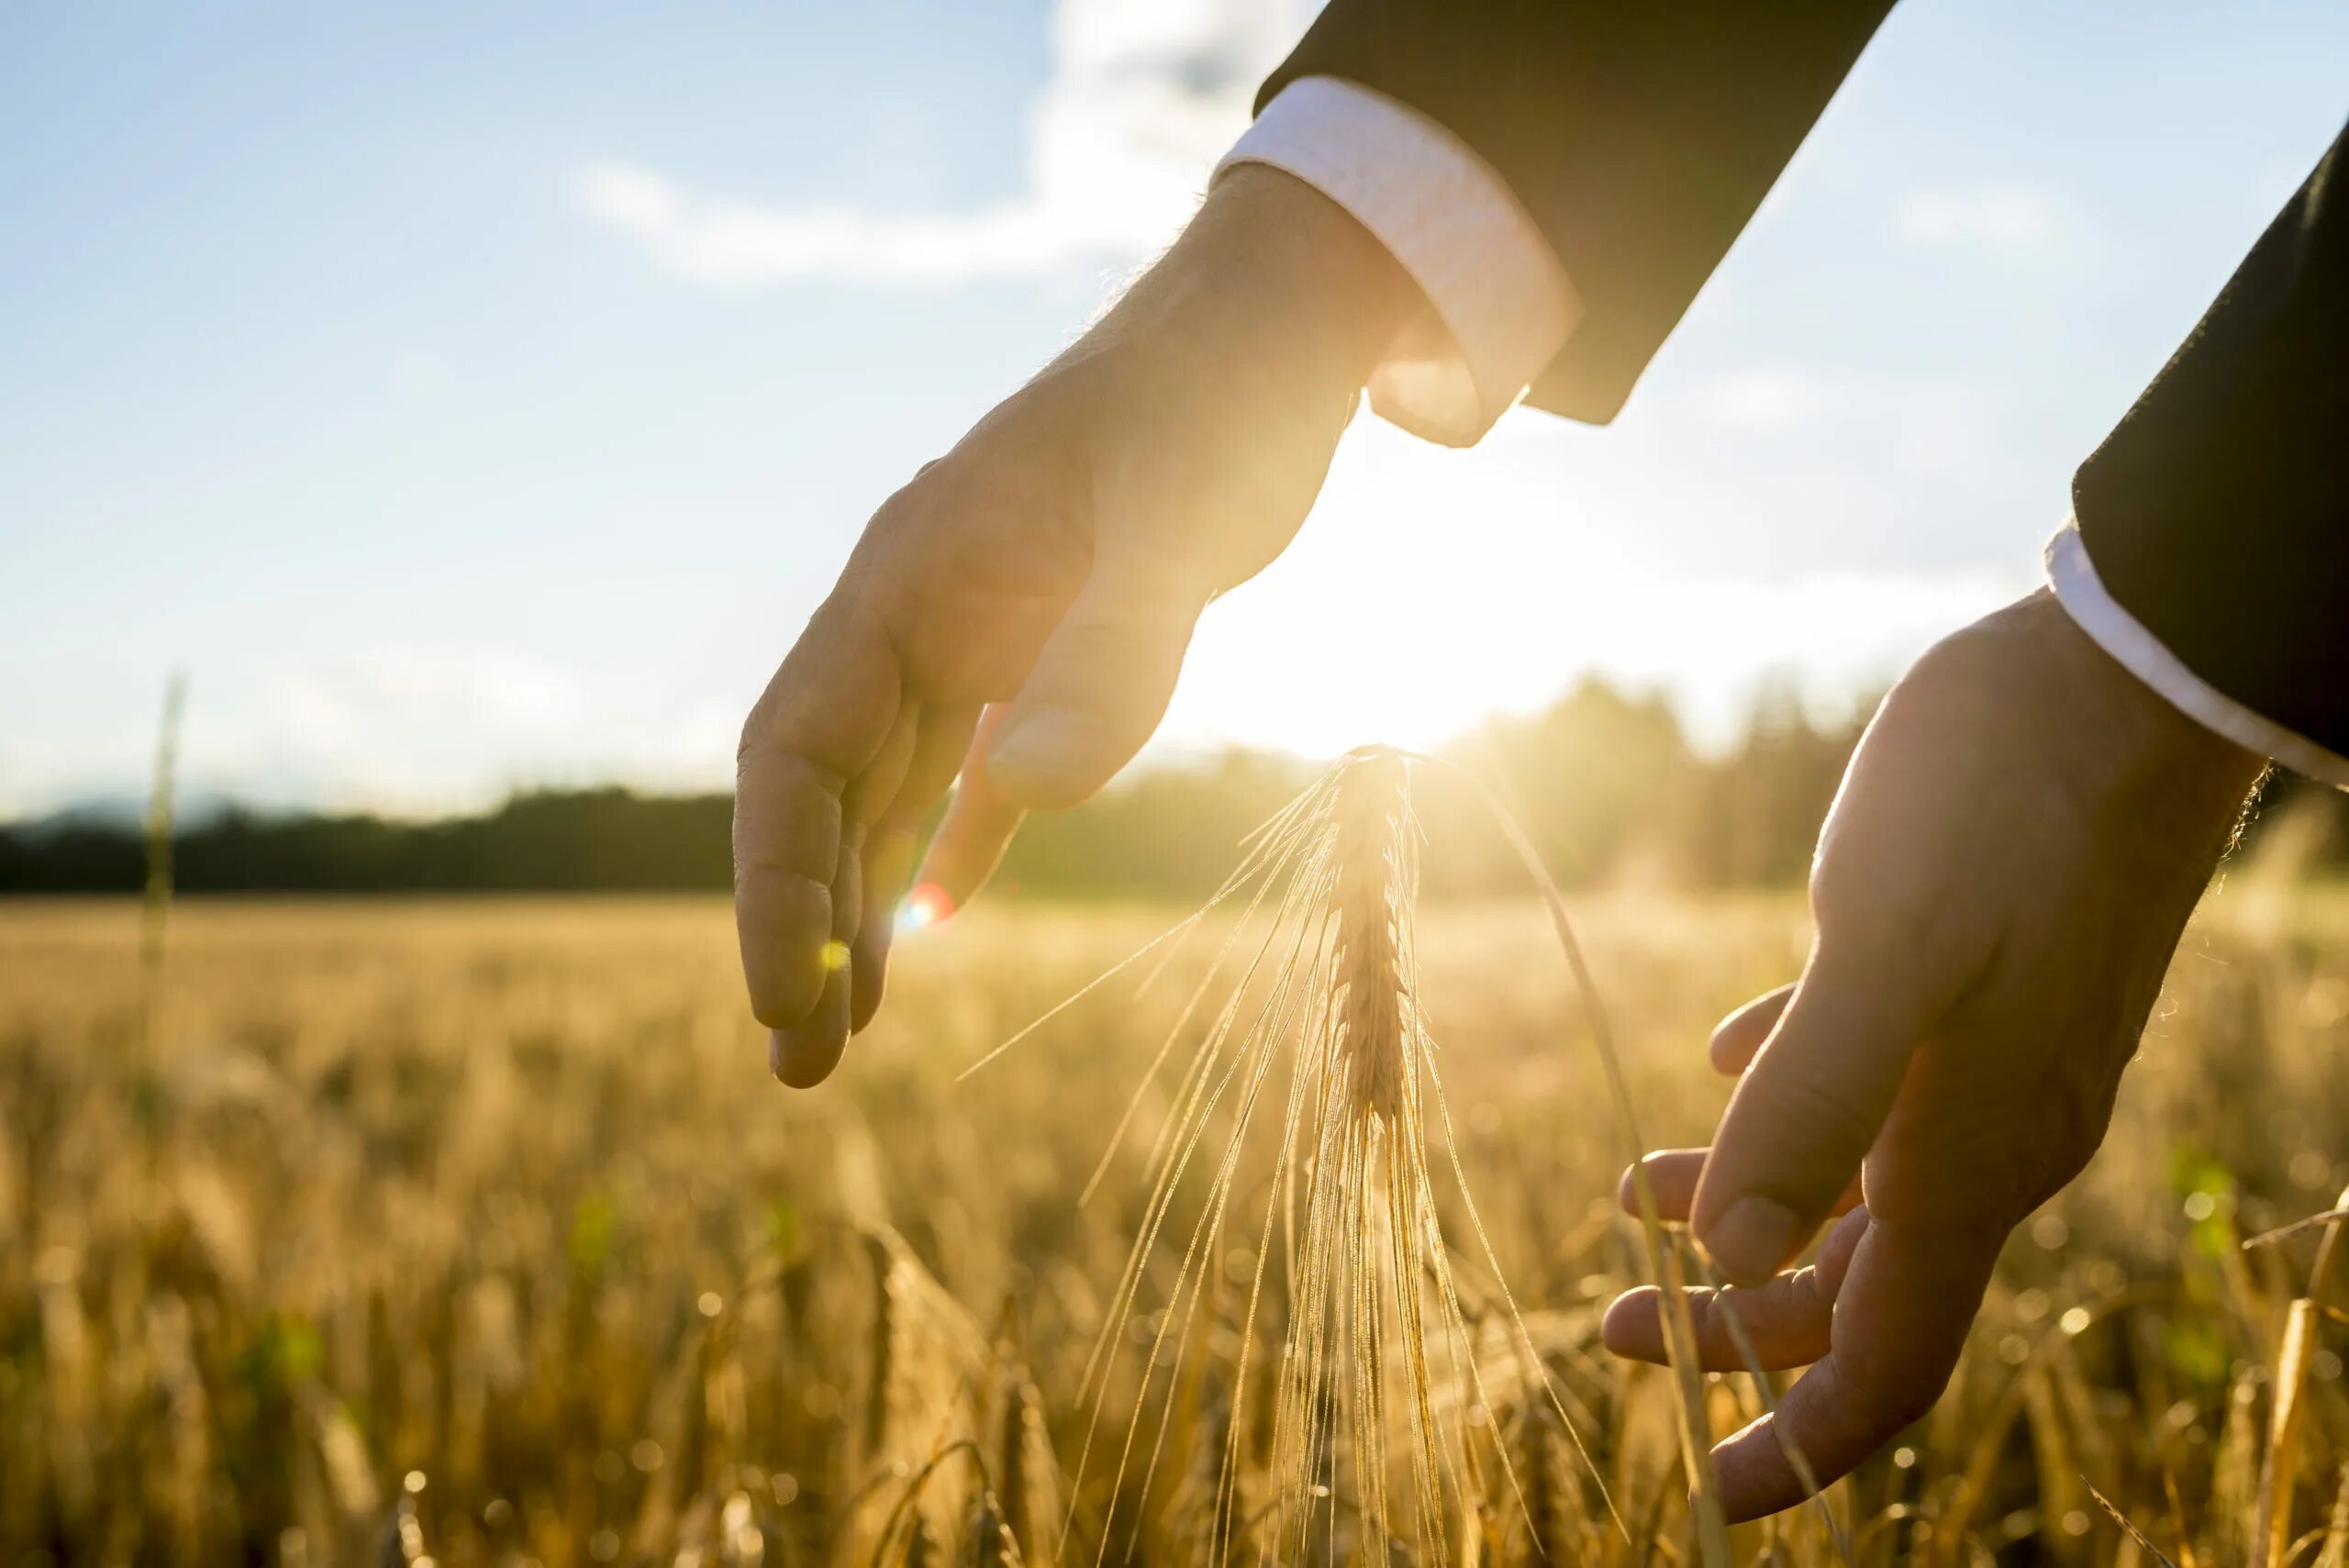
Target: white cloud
(1914,427)
(491,686)
(2010,219)
(398,728)
(1143,96)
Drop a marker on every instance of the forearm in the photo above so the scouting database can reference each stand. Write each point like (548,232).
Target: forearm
(1271,282)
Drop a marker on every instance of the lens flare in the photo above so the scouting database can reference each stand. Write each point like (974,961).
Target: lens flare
(925,906)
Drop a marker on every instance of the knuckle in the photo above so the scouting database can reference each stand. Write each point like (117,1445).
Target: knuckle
(1113,650)
(1808,1112)
(775,1012)
(1809,1291)
(933,488)
(1905,1405)
(1721,1315)
(1891,906)
(788,821)
(1895,1386)
(781,996)
(782,921)
(2071,1127)
(751,742)
(754,744)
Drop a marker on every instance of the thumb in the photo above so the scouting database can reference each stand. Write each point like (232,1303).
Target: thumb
(1807,1109)
(1098,692)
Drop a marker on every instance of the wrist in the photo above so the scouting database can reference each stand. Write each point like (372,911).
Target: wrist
(1274,283)
(2166,752)
(1306,261)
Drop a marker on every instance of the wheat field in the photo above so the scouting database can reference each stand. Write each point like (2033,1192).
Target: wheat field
(475,1232)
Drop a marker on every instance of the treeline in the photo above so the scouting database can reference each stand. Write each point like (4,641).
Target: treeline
(544,841)
(1605,783)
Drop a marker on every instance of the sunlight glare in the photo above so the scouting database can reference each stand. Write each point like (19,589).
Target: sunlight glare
(925,906)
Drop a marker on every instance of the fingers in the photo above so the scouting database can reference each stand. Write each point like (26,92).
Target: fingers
(804,1054)
(1736,1039)
(977,828)
(889,850)
(1900,1318)
(1786,1320)
(884,812)
(1097,690)
(888,870)
(1808,1108)
(1673,1174)
(822,720)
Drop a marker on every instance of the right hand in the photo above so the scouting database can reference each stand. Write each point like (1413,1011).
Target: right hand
(1048,570)
(2019,840)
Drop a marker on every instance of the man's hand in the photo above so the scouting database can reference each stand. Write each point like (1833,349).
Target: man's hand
(2013,855)
(1055,561)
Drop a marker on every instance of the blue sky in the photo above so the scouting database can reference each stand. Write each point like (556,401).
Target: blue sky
(469,396)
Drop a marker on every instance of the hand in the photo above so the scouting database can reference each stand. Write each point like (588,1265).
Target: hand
(1055,561)
(2008,864)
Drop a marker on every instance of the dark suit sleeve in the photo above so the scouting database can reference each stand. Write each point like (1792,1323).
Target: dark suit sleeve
(2217,513)
(1640,137)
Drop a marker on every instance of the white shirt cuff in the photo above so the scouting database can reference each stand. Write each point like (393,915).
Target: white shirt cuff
(1501,304)
(2111,628)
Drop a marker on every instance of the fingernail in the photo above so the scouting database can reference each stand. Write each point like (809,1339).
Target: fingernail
(1753,1238)
(1044,748)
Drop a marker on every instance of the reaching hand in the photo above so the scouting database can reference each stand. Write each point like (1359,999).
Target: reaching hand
(1055,561)
(2015,850)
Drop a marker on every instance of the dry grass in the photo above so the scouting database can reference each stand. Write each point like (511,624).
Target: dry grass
(472,1231)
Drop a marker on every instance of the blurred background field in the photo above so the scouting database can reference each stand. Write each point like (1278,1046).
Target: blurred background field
(473,1230)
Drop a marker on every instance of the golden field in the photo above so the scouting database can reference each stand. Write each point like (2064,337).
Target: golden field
(475,1231)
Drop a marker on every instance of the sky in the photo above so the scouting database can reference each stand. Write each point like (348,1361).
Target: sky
(477,397)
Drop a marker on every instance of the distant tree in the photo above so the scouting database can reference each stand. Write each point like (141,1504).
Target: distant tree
(1604,781)
(1593,778)
(1169,831)
(1756,818)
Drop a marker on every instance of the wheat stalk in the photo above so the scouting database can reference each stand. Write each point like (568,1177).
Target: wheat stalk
(1321,1017)
(1369,1232)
